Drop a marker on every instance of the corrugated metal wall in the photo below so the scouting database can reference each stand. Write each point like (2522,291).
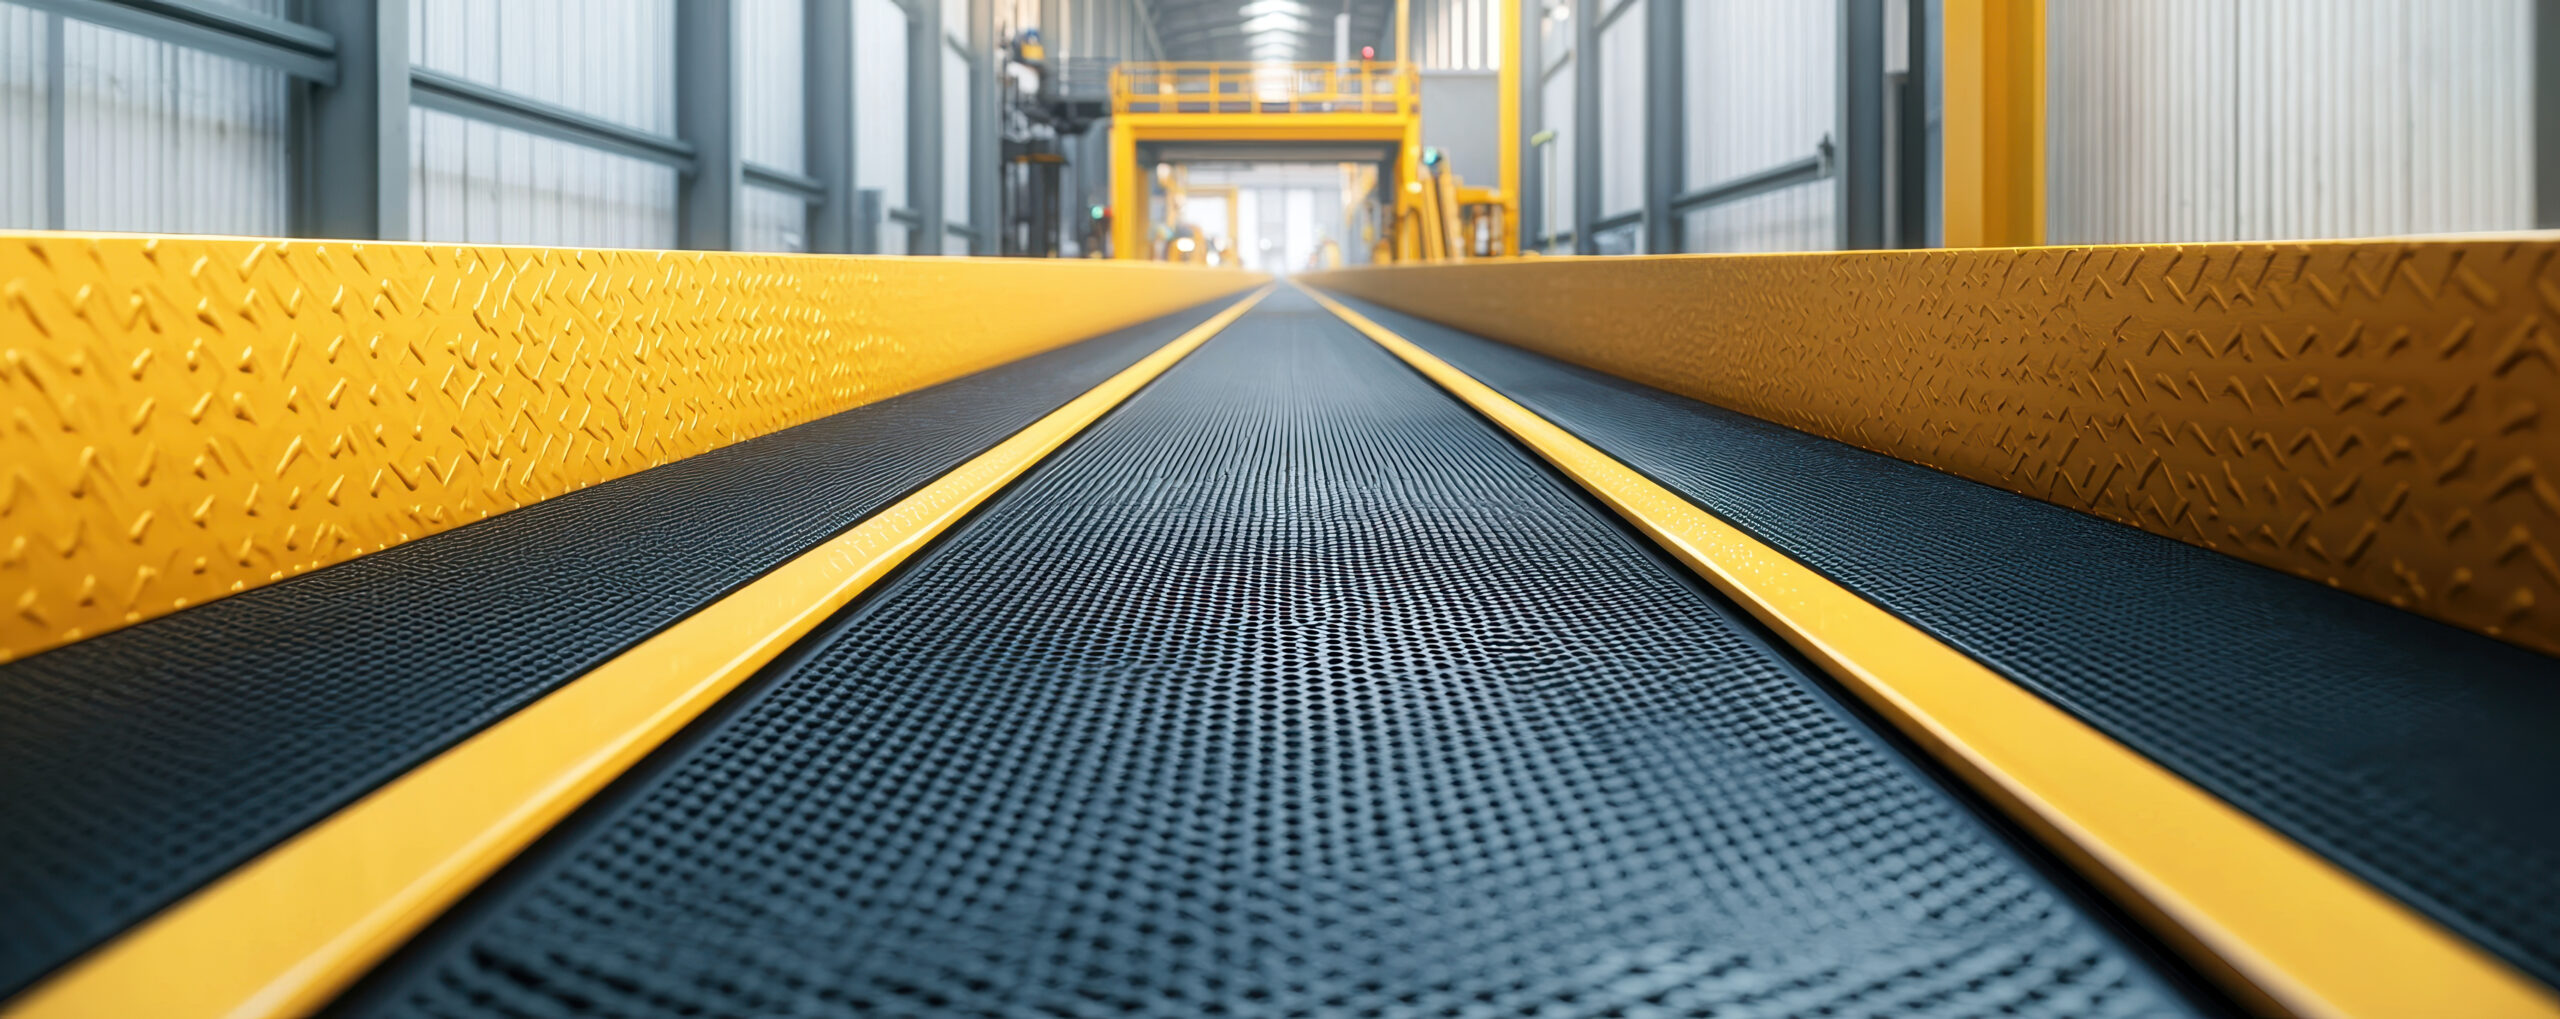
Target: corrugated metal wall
(1761,88)
(1621,138)
(26,162)
(880,110)
(152,136)
(1451,35)
(772,120)
(612,59)
(2191,120)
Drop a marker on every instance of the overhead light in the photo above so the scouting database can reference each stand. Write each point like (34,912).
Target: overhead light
(1275,22)
(1261,7)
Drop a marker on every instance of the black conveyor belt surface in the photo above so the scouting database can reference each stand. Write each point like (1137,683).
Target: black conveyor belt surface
(2419,756)
(1291,688)
(140,764)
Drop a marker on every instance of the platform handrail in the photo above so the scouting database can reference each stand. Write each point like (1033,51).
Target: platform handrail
(1265,87)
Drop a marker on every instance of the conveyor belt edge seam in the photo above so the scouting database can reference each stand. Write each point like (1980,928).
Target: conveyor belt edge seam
(286,931)
(2282,926)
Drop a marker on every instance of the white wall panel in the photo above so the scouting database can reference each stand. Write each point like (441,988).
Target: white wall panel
(1800,218)
(1760,90)
(772,221)
(1555,108)
(480,183)
(956,196)
(165,139)
(613,59)
(2187,120)
(880,111)
(1622,111)
(772,98)
(26,164)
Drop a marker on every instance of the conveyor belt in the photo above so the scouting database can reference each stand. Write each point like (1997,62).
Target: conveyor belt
(139,764)
(2417,755)
(1290,688)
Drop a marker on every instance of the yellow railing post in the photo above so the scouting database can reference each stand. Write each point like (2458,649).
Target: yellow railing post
(1994,123)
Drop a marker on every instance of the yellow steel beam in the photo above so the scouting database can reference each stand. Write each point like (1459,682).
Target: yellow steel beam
(1994,151)
(2359,413)
(1266,127)
(287,931)
(191,417)
(2284,927)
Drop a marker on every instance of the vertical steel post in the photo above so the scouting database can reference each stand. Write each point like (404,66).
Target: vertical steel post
(2546,114)
(986,162)
(707,116)
(1662,117)
(1861,127)
(1586,123)
(1530,224)
(924,126)
(1914,199)
(827,66)
(354,170)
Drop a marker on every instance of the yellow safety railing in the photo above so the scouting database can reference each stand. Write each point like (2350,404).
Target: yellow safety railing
(1243,86)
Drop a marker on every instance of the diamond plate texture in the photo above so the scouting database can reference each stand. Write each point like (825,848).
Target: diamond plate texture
(191,417)
(2368,414)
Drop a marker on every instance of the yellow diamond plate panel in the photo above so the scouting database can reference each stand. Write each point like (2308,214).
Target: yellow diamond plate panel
(189,417)
(2374,415)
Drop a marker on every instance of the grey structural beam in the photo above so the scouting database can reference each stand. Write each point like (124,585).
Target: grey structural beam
(1663,136)
(437,90)
(353,173)
(302,51)
(1586,125)
(924,125)
(986,178)
(1864,159)
(1913,198)
(827,86)
(1784,175)
(1531,76)
(707,119)
(2546,114)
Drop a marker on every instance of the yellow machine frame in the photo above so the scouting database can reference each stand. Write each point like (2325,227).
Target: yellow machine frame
(1243,101)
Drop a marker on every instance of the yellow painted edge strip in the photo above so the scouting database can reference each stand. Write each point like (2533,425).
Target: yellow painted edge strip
(290,929)
(2289,929)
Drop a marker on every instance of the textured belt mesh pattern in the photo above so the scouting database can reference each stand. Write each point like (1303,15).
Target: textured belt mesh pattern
(138,765)
(2424,758)
(1289,689)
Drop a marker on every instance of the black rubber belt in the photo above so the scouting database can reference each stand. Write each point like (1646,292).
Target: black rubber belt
(2422,757)
(140,764)
(1291,688)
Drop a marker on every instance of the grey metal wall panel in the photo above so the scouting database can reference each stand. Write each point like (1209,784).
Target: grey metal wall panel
(880,110)
(2195,120)
(480,183)
(1760,90)
(772,97)
(957,197)
(771,221)
(26,163)
(1555,104)
(160,138)
(1799,218)
(1460,112)
(613,59)
(1622,111)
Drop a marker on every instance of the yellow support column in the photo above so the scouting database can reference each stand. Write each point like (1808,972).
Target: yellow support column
(1994,123)
(1128,195)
